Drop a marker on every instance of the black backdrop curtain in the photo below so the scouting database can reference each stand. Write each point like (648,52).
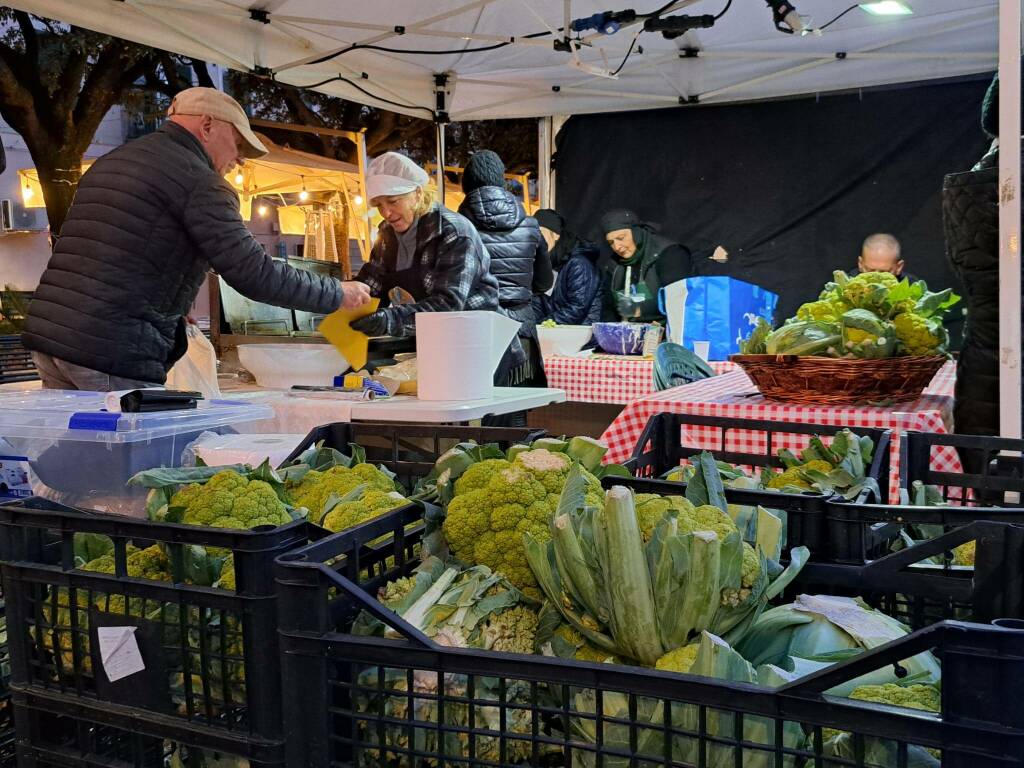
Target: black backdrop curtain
(789,188)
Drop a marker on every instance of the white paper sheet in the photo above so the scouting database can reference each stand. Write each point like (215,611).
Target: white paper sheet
(119,652)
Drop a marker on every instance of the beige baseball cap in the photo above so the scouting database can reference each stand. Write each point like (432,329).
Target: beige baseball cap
(220,106)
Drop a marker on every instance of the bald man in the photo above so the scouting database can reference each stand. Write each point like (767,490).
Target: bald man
(881,253)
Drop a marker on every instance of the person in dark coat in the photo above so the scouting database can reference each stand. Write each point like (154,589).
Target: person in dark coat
(148,221)
(576,298)
(519,255)
(649,260)
(970,208)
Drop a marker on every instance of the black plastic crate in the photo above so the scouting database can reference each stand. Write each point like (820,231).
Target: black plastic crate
(409,450)
(663,446)
(211,675)
(989,479)
(368,701)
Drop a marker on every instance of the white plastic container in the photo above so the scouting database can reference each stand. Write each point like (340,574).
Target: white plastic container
(222,450)
(282,366)
(82,455)
(564,340)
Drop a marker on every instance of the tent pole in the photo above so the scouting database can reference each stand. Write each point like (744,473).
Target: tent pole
(440,163)
(1009,219)
(544,161)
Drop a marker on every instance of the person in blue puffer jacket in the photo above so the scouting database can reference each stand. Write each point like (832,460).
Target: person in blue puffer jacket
(576,297)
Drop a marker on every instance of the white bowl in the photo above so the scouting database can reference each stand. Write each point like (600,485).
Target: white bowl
(566,340)
(282,366)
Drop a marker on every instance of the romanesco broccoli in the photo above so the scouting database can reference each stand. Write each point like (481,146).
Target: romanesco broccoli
(822,310)
(869,290)
(479,474)
(371,504)
(486,526)
(511,631)
(316,487)
(678,660)
(229,500)
(916,335)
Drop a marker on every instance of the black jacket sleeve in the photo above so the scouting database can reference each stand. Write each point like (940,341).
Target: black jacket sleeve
(673,264)
(214,224)
(543,274)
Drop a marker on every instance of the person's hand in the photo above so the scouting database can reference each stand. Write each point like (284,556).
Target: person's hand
(372,325)
(627,306)
(354,294)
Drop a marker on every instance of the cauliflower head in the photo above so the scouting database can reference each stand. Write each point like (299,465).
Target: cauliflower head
(823,310)
(548,467)
(372,504)
(869,290)
(479,474)
(917,336)
(229,500)
(651,509)
(585,651)
(511,631)
(149,563)
(316,487)
(486,526)
(678,660)
(707,517)
(965,553)
(926,697)
(794,476)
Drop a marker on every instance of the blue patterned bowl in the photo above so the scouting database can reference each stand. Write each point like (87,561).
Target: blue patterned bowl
(620,338)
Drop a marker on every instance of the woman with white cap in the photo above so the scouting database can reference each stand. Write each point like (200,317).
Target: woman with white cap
(426,257)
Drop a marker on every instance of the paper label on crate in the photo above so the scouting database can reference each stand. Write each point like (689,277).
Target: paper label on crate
(119,651)
(14,477)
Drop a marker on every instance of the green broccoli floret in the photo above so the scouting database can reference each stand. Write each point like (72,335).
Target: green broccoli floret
(317,487)
(479,474)
(917,336)
(678,660)
(926,697)
(229,500)
(370,505)
(511,631)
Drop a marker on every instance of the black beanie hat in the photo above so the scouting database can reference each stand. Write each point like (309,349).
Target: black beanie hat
(484,169)
(550,219)
(620,218)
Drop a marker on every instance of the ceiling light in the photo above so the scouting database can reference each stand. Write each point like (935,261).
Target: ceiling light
(303,195)
(239,178)
(358,199)
(27,193)
(887,8)
(262,210)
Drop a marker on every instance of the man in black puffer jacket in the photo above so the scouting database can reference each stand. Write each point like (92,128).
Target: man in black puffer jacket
(519,255)
(148,221)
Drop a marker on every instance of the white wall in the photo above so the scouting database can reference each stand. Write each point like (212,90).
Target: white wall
(23,257)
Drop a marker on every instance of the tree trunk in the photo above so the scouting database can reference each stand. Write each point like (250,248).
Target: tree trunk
(59,168)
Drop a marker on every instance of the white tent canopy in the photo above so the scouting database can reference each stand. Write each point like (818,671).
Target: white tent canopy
(743,57)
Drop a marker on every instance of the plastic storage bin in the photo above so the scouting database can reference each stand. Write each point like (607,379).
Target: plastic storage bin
(368,701)
(81,455)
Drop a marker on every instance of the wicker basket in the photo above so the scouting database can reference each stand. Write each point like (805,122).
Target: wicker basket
(831,381)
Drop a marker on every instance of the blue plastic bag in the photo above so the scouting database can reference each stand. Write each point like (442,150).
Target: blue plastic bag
(719,310)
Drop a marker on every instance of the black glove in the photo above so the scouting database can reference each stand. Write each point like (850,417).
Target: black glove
(372,325)
(627,306)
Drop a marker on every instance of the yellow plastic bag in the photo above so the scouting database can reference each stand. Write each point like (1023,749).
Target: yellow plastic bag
(196,371)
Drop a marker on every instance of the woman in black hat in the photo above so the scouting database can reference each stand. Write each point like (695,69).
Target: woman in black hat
(648,260)
(576,298)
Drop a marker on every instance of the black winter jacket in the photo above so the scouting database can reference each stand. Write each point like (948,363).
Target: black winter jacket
(519,255)
(148,221)
(971,216)
(576,299)
(667,263)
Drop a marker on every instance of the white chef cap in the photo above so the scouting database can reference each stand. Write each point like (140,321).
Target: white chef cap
(393,174)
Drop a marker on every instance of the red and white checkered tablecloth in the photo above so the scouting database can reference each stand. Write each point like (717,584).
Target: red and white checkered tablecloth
(733,396)
(607,378)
